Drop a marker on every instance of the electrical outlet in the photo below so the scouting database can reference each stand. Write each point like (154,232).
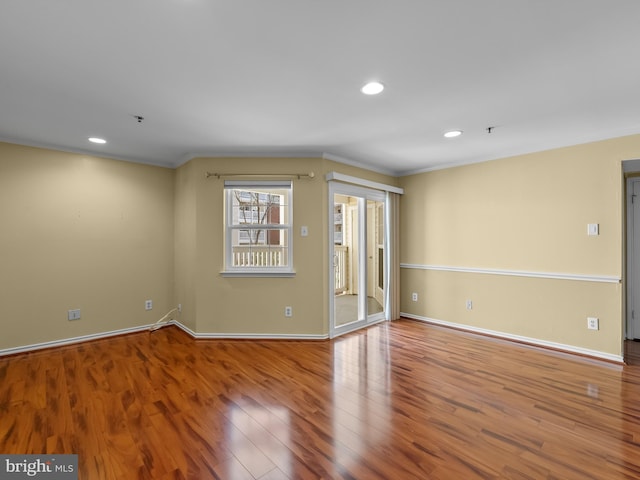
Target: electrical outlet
(414,297)
(288,312)
(469,304)
(179,308)
(592,323)
(73,314)
(148,304)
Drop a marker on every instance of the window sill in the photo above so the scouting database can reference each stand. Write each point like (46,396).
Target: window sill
(258,273)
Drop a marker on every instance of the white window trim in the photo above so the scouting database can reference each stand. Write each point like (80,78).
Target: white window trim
(231,271)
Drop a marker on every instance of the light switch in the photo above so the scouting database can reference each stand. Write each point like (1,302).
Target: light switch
(304,231)
(593,229)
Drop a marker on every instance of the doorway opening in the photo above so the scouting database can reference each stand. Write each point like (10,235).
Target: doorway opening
(358,252)
(631,349)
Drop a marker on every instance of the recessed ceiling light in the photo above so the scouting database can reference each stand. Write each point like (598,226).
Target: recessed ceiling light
(453,133)
(372,88)
(97,140)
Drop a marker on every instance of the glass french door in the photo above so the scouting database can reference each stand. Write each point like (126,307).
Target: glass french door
(358,262)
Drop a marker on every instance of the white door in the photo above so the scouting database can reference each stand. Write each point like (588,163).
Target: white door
(633,258)
(357,269)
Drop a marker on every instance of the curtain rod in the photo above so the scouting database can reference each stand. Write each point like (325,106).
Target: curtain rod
(298,175)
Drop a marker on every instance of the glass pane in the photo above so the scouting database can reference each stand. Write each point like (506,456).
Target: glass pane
(359,273)
(346,262)
(259,207)
(375,257)
(260,247)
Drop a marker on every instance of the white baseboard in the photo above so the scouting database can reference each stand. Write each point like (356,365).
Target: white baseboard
(124,331)
(249,336)
(70,341)
(264,336)
(518,338)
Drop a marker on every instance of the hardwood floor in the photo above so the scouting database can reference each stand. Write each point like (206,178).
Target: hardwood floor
(399,400)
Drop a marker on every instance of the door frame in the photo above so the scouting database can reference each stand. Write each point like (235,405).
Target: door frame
(363,194)
(631,327)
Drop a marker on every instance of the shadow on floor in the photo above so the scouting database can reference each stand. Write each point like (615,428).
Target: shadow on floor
(632,352)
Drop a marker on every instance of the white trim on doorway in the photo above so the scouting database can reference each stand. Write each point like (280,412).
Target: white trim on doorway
(361,182)
(362,194)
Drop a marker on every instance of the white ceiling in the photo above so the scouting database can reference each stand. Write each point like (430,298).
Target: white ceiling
(282,77)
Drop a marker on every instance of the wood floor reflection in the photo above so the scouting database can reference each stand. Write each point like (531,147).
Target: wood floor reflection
(399,400)
(632,352)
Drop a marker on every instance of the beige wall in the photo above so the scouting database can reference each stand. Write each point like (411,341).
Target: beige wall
(526,213)
(81,232)
(213,304)
(104,235)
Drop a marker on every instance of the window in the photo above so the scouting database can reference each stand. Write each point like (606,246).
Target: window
(258,227)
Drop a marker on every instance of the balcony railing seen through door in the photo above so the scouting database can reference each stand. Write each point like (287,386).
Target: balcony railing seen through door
(341,268)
